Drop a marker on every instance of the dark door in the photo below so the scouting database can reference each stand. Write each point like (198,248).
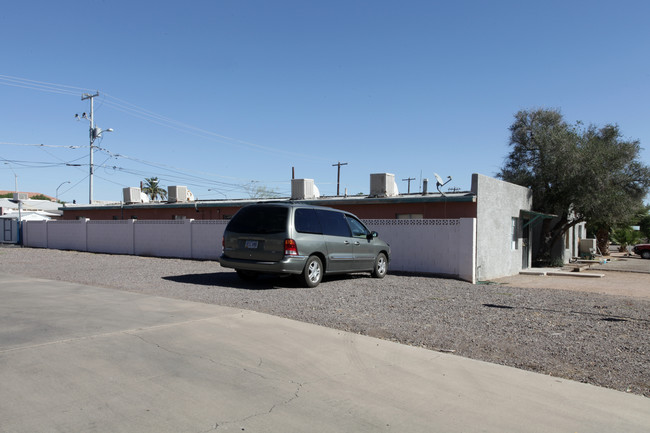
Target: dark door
(525,240)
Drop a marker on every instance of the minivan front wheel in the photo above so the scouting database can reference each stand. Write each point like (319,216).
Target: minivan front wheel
(381,266)
(312,275)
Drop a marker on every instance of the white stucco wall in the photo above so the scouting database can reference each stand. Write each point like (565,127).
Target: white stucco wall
(66,235)
(206,238)
(113,237)
(437,246)
(35,234)
(163,238)
(497,203)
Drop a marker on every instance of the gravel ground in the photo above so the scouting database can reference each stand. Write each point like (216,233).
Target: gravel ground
(599,339)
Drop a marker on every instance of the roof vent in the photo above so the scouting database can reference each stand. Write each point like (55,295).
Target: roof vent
(383,185)
(304,189)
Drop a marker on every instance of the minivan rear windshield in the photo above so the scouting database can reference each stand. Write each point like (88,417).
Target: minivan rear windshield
(259,220)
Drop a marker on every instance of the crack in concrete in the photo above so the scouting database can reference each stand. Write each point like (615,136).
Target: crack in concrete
(295,396)
(285,402)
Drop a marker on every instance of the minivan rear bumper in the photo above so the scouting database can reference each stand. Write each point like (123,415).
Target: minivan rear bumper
(288,265)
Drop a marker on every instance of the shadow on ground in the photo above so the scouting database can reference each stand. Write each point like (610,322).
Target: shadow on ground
(263,281)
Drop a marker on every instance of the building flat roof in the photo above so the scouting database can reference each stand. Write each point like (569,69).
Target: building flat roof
(322,201)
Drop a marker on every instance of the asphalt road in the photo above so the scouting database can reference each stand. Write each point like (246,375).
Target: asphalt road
(77,358)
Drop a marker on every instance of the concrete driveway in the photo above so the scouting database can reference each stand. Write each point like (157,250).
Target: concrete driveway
(621,276)
(75,358)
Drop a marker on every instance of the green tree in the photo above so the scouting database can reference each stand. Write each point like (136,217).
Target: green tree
(40,197)
(624,236)
(578,173)
(152,189)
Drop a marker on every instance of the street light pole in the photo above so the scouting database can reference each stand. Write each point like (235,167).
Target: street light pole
(217,191)
(15,176)
(57,189)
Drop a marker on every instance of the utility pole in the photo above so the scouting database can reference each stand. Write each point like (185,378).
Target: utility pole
(92,140)
(409,179)
(338,176)
(94,134)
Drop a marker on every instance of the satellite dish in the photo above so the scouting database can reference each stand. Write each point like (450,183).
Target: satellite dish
(440,183)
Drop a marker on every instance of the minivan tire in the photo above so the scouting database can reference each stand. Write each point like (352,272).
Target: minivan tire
(312,275)
(381,266)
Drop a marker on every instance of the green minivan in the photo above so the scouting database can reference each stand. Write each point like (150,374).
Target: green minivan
(304,240)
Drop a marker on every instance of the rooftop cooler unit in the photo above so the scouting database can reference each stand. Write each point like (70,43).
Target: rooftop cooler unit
(383,185)
(131,195)
(176,194)
(304,189)
(20,196)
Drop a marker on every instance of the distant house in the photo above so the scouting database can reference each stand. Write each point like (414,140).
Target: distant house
(11,212)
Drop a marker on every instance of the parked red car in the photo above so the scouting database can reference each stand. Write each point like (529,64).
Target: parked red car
(643,250)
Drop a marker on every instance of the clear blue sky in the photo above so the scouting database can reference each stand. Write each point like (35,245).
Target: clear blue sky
(223,94)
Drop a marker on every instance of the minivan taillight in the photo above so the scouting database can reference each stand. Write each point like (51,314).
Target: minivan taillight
(290,247)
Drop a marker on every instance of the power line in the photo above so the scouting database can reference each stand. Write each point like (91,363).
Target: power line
(144,114)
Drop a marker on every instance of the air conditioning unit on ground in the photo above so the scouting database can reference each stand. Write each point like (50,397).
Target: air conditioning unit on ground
(383,185)
(587,246)
(20,196)
(304,189)
(176,194)
(131,194)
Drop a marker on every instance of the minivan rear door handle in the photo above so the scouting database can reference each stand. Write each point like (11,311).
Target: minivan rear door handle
(346,242)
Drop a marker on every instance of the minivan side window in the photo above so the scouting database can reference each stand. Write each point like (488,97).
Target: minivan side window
(358,229)
(306,221)
(259,220)
(334,223)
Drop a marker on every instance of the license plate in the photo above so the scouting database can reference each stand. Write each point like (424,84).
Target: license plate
(251,244)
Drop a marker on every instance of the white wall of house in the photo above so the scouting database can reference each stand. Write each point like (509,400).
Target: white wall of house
(569,247)
(500,244)
(444,246)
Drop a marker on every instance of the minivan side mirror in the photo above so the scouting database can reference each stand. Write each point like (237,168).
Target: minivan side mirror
(372,235)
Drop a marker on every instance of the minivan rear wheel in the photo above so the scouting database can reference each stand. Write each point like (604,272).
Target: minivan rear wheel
(381,266)
(312,275)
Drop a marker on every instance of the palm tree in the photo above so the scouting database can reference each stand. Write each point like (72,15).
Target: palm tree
(152,189)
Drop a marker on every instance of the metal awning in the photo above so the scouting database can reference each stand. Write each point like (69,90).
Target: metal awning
(536,217)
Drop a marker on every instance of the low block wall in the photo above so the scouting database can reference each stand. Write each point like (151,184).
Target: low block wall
(206,238)
(437,246)
(113,237)
(66,235)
